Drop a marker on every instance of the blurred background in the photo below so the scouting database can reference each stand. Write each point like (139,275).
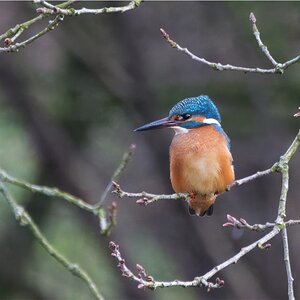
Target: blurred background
(68,105)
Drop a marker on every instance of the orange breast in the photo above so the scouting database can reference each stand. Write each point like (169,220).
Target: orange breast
(200,162)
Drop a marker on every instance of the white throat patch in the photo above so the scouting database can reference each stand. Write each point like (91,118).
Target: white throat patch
(180,130)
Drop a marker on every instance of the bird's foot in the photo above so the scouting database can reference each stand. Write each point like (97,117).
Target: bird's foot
(192,195)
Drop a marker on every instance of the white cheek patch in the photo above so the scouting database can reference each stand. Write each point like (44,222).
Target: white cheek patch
(211,121)
(179,129)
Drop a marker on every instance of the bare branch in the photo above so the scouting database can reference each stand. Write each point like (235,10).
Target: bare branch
(288,264)
(15,47)
(146,281)
(252,177)
(242,223)
(52,9)
(201,280)
(45,12)
(147,198)
(278,68)
(48,191)
(197,281)
(107,219)
(24,219)
(263,48)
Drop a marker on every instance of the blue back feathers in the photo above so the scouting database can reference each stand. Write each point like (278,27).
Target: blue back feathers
(201,106)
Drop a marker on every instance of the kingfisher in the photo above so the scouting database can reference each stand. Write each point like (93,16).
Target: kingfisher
(201,163)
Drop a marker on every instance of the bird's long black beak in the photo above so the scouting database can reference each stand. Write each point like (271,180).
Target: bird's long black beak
(165,122)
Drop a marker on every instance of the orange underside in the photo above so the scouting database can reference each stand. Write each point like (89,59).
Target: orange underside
(201,163)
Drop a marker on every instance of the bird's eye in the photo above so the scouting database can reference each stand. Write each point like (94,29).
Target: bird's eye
(184,117)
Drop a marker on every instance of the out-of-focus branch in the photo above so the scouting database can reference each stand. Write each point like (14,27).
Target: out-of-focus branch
(107,219)
(48,191)
(278,68)
(125,160)
(45,12)
(15,47)
(24,219)
(146,281)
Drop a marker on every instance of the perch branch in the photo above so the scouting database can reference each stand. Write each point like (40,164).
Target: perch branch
(278,68)
(24,219)
(147,198)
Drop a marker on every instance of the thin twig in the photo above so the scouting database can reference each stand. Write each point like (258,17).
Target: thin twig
(263,48)
(24,219)
(242,223)
(252,177)
(278,68)
(124,162)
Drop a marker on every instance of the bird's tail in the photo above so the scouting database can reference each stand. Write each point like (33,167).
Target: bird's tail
(201,204)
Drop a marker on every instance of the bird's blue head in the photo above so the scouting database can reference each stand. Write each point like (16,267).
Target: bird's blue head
(188,113)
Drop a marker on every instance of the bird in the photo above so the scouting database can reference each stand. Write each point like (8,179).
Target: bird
(201,163)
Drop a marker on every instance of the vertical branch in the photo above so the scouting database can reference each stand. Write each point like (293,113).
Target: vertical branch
(284,169)
(288,264)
